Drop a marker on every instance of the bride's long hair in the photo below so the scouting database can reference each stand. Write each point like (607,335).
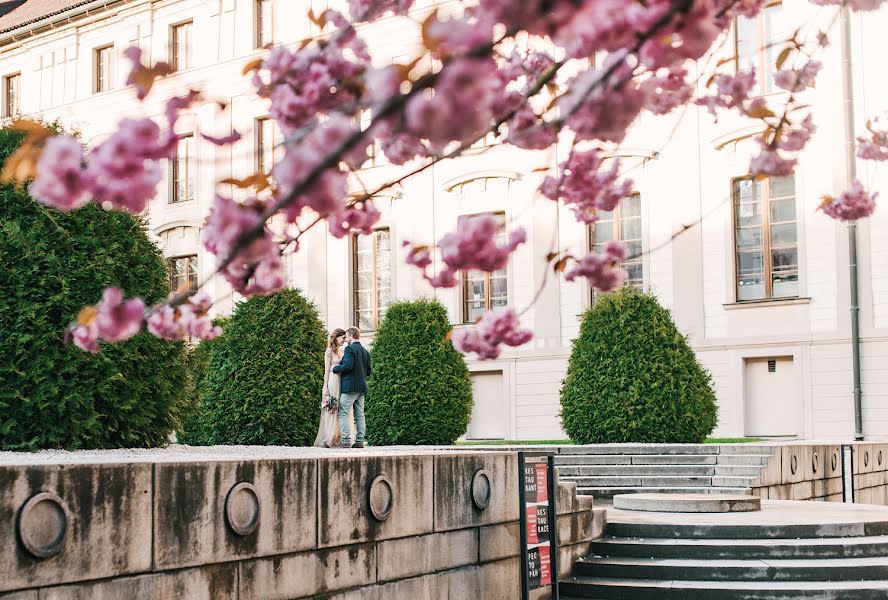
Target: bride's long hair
(332,343)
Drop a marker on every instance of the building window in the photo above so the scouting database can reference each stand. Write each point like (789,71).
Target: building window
(372,277)
(623,224)
(263,22)
(757,44)
(12,92)
(183,170)
(269,144)
(766,238)
(483,291)
(183,273)
(181,46)
(103,75)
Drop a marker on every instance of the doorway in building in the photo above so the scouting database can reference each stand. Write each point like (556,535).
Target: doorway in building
(773,397)
(489,410)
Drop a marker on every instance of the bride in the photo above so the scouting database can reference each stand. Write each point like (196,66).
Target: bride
(329,434)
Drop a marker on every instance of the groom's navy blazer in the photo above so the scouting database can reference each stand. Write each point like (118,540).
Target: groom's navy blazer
(354,369)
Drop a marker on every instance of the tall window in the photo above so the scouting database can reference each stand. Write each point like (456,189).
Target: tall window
(484,291)
(263,22)
(372,277)
(183,272)
(181,46)
(12,92)
(269,148)
(758,42)
(102,65)
(623,224)
(766,238)
(183,170)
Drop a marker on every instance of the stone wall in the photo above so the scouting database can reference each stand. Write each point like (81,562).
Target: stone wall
(266,524)
(804,471)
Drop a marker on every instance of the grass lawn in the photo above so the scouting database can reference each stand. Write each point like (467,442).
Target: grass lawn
(568,442)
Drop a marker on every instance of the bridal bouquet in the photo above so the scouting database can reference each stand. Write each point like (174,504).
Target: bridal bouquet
(330,403)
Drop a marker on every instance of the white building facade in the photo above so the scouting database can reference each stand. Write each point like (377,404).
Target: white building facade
(759,280)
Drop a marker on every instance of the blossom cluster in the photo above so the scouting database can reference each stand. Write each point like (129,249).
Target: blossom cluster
(492,331)
(121,173)
(852,204)
(114,319)
(586,187)
(603,270)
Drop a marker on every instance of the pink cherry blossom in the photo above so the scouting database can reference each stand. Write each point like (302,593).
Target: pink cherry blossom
(876,147)
(117,320)
(748,8)
(528,131)
(603,269)
(458,36)
(606,112)
(473,245)
(852,204)
(187,320)
(771,163)
(359,218)
(367,10)
(796,80)
(418,256)
(492,331)
(86,337)
(795,139)
(731,91)
(664,93)
(586,187)
(61,182)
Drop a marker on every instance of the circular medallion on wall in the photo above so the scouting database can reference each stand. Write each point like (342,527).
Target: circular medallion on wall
(481,489)
(242,508)
(381,498)
(43,525)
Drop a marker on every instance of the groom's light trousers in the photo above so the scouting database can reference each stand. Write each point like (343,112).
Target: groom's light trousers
(346,401)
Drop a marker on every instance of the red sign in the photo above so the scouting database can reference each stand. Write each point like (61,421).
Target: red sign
(532,537)
(545,566)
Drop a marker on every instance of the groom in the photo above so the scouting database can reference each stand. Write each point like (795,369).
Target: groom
(354,370)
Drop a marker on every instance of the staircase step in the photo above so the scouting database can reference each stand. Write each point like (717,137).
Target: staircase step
(636,481)
(618,589)
(644,449)
(734,481)
(735,570)
(593,459)
(737,449)
(607,492)
(738,470)
(742,549)
(637,470)
(742,459)
(687,531)
(675,459)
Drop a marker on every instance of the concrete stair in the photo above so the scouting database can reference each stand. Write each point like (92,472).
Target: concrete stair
(604,470)
(766,560)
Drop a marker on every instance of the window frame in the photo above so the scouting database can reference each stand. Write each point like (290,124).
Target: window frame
(259,40)
(376,318)
(618,236)
(190,259)
(764,84)
(486,276)
(174,171)
(8,96)
(175,58)
(99,83)
(767,267)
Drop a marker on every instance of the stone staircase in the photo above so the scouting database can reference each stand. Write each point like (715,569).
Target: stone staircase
(603,470)
(774,558)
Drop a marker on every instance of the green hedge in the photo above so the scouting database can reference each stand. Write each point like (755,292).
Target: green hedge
(263,383)
(199,355)
(420,391)
(57,396)
(633,378)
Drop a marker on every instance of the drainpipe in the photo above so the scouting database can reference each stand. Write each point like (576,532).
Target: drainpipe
(851,173)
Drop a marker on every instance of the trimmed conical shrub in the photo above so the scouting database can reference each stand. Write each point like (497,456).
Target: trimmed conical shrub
(633,377)
(54,395)
(420,391)
(199,355)
(263,383)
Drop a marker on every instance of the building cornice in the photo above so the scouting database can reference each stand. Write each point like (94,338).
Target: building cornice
(36,26)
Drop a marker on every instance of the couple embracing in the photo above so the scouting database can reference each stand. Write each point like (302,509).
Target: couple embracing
(346,368)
